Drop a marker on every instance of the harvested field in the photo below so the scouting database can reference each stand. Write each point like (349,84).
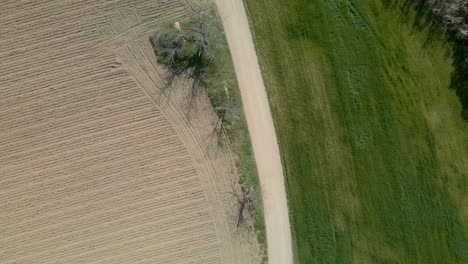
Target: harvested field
(96,167)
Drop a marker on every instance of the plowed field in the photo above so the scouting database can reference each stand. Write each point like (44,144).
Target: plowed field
(94,166)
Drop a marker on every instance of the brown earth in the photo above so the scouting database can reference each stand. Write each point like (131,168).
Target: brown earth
(96,166)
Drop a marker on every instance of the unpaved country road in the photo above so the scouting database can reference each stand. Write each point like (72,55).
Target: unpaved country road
(261,130)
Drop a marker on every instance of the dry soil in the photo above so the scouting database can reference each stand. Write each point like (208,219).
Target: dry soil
(96,166)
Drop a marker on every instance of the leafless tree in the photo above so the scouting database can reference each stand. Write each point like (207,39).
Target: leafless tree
(219,130)
(245,206)
(227,114)
(187,52)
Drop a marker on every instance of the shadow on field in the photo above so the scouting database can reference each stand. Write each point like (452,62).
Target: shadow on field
(418,14)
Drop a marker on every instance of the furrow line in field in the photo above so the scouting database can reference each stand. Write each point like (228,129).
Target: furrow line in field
(199,250)
(184,178)
(68,90)
(129,234)
(74,163)
(84,181)
(92,120)
(79,218)
(101,138)
(165,166)
(201,231)
(170,248)
(70,159)
(68,38)
(165,139)
(64,57)
(57,74)
(67,65)
(53,102)
(173,6)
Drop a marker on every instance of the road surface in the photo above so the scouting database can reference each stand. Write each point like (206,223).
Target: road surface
(261,128)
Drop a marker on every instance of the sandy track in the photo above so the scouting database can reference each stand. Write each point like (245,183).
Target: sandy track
(93,169)
(261,130)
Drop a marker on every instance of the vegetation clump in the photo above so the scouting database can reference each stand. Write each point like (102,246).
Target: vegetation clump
(454,15)
(186,51)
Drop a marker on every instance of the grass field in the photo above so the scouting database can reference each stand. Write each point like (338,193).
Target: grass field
(374,148)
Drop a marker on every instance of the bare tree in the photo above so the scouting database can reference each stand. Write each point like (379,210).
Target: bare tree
(186,52)
(227,113)
(245,206)
(219,130)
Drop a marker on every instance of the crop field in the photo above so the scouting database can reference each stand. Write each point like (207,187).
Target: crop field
(94,166)
(374,147)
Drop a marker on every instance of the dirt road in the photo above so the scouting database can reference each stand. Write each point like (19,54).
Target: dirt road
(261,129)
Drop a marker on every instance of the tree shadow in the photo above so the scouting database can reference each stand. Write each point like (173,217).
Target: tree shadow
(418,14)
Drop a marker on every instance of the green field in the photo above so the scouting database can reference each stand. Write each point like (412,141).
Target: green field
(374,148)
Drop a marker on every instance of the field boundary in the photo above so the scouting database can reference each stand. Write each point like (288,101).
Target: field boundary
(262,131)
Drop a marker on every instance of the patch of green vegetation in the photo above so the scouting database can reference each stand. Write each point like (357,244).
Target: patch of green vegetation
(373,146)
(223,91)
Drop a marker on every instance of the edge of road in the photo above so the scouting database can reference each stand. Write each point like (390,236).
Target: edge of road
(261,129)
